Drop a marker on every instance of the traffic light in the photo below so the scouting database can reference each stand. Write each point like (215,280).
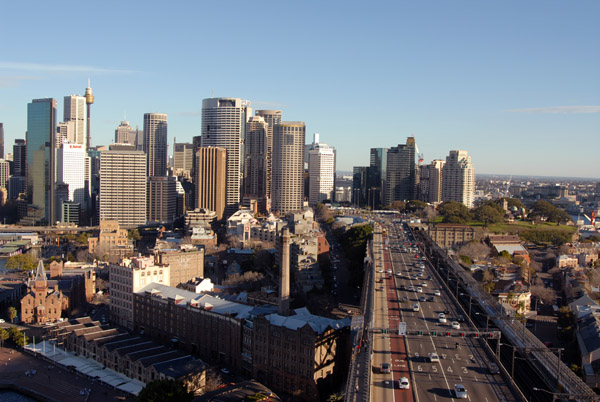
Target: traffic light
(447,333)
(384,331)
(462,334)
(476,335)
(491,335)
(433,333)
(419,332)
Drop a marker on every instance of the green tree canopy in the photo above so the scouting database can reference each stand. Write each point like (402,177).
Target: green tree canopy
(513,203)
(399,206)
(22,262)
(543,209)
(415,205)
(133,234)
(164,391)
(488,214)
(4,335)
(12,313)
(20,339)
(454,212)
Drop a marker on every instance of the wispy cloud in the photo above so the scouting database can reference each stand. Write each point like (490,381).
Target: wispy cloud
(10,81)
(585,109)
(59,68)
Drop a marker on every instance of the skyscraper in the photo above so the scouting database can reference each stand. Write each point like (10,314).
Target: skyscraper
(255,177)
(377,176)
(321,172)
(288,166)
(458,178)
(123,185)
(183,158)
(1,140)
(271,117)
(162,199)
(155,143)
(75,111)
(435,181)
(224,126)
(41,126)
(70,170)
(401,172)
(125,134)
(210,170)
(20,158)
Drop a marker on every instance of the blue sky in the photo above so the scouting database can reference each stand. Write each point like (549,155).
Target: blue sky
(516,83)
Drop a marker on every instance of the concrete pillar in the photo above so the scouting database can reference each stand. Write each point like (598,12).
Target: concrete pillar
(284,284)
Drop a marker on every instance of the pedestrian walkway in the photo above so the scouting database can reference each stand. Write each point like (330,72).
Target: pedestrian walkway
(50,381)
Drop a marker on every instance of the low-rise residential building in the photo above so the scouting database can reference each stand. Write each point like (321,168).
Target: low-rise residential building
(185,263)
(112,240)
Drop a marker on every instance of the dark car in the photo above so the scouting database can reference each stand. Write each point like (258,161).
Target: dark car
(460,318)
(493,368)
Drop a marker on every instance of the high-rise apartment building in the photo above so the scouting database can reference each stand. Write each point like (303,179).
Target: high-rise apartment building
(288,166)
(321,172)
(123,185)
(224,125)
(401,172)
(125,134)
(4,173)
(70,170)
(378,171)
(1,140)
(434,175)
(210,170)
(20,158)
(271,117)
(75,110)
(155,143)
(183,158)
(41,127)
(255,150)
(162,199)
(458,178)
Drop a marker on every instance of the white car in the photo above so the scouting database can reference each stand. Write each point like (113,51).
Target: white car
(433,357)
(460,391)
(415,307)
(2,321)
(437,293)
(442,318)
(424,284)
(455,325)
(403,383)
(419,290)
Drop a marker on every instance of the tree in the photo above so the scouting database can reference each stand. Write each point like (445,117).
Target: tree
(475,250)
(133,235)
(488,214)
(22,262)
(20,339)
(4,335)
(415,205)
(547,295)
(336,397)
(12,314)
(454,212)
(164,391)
(399,206)
(213,380)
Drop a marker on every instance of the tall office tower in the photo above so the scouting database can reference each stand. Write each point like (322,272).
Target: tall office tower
(155,143)
(1,140)
(183,158)
(224,126)
(378,164)
(70,170)
(210,170)
(41,127)
(125,134)
(401,172)
(75,111)
(321,172)
(162,199)
(4,173)
(271,117)
(20,158)
(458,178)
(64,131)
(435,181)
(359,185)
(89,100)
(255,177)
(123,185)
(288,166)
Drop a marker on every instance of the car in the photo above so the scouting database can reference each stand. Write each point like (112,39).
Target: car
(437,293)
(2,321)
(442,318)
(225,370)
(460,392)
(433,357)
(405,299)
(455,325)
(422,299)
(411,288)
(415,307)
(419,290)
(389,271)
(424,284)
(493,368)
(460,318)
(380,288)
(385,368)
(446,311)
(430,299)
(402,287)
(403,383)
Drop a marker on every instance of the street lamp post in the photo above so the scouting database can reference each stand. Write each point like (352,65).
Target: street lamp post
(470,298)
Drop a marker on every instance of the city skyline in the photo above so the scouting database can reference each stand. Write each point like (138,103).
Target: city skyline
(514,84)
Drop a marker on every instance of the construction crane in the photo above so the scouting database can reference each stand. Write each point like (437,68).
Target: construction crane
(419,154)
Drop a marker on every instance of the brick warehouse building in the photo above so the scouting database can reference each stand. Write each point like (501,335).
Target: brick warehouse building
(287,353)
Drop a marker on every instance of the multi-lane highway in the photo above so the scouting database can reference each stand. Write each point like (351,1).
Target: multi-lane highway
(436,366)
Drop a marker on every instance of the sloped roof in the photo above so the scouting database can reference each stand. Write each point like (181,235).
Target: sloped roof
(303,316)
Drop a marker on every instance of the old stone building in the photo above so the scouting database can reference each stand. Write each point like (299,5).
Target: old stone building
(43,302)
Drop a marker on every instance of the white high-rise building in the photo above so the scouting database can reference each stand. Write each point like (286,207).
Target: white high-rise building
(123,185)
(224,125)
(70,169)
(75,110)
(321,172)
(458,178)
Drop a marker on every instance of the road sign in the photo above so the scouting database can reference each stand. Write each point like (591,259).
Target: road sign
(402,328)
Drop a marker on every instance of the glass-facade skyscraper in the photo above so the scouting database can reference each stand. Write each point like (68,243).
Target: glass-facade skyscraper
(41,126)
